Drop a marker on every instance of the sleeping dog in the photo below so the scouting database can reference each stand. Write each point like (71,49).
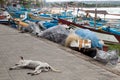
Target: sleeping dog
(37,65)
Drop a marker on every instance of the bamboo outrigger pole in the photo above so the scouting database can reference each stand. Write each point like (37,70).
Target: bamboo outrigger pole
(95,15)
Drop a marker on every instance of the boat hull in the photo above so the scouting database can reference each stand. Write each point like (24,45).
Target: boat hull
(106,36)
(38,17)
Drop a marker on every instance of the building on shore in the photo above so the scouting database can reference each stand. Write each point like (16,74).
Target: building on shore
(34,3)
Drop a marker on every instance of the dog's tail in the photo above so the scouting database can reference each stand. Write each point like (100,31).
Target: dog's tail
(55,70)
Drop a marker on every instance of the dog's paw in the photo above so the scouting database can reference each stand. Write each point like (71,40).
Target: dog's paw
(32,74)
(28,73)
(10,68)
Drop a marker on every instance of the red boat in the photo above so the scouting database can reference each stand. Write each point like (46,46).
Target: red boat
(103,35)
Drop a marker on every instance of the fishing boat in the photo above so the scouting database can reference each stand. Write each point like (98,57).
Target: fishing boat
(17,12)
(3,19)
(39,17)
(4,16)
(103,35)
(104,24)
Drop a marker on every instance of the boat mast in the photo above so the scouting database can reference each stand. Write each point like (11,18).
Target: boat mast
(43,3)
(95,15)
(82,2)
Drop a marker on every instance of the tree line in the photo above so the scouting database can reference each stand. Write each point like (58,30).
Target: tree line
(29,3)
(81,4)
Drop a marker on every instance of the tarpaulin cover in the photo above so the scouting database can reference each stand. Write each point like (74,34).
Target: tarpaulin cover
(56,34)
(35,28)
(87,34)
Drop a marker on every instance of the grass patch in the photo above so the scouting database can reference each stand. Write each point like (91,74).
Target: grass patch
(114,47)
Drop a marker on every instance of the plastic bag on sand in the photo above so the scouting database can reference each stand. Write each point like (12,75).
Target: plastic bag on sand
(56,34)
(105,57)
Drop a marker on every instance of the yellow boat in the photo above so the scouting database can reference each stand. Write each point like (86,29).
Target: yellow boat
(38,17)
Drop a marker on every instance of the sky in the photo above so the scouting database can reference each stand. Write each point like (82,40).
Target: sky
(77,0)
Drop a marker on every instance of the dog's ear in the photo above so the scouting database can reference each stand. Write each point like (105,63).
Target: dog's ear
(21,57)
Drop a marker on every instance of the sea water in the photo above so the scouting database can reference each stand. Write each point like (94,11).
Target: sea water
(110,10)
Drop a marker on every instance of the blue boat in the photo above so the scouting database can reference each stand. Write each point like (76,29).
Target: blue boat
(111,30)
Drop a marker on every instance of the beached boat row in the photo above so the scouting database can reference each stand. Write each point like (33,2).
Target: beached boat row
(104,35)
(103,31)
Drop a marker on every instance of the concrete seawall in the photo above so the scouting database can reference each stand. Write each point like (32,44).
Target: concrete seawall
(14,44)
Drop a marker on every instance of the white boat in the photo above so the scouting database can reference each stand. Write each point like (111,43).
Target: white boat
(4,16)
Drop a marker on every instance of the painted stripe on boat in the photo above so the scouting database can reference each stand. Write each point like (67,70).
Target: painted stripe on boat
(107,37)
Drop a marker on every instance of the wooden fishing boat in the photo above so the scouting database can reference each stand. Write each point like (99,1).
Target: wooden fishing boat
(38,17)
(103,35)
(4,17)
